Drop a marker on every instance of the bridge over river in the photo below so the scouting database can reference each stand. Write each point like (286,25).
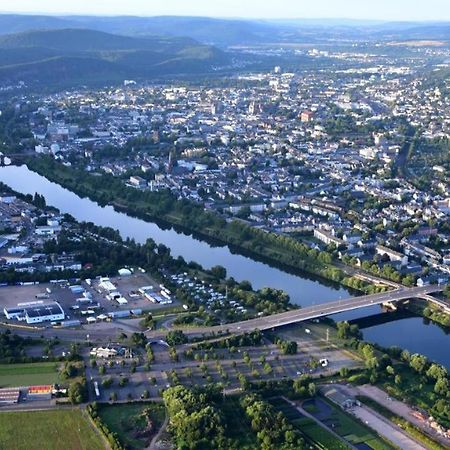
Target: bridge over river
(336,307)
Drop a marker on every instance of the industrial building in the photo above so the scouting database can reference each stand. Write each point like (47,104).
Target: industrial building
(37,312)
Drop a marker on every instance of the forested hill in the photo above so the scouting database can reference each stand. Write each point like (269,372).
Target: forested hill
(81,56)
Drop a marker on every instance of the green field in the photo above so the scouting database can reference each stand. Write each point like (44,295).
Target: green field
(15,375)
(129,421)
(312,432)
(67,429)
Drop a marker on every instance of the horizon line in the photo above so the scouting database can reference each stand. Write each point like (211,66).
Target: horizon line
(242,18)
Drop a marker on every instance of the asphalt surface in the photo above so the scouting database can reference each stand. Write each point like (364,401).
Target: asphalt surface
(400,409)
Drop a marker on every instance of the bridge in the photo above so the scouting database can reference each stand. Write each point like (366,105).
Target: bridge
(336,307)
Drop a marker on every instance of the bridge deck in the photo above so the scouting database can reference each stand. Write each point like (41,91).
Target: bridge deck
(328,309)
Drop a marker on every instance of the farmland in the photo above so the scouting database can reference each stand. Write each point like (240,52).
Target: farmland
(50,430)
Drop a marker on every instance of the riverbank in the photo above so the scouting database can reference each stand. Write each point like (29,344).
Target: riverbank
(269,247)
(430,312)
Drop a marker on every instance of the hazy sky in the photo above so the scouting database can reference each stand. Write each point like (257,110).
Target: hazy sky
(353,9)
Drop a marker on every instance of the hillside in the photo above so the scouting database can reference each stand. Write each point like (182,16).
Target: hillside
(221,32)
(228,32)
(73,56)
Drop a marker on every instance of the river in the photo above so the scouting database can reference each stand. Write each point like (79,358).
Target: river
(410,333)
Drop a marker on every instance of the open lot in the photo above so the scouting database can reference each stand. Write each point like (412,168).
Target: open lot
(319,340)
(67,429)
(17,375)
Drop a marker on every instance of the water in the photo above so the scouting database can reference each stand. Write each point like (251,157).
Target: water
(412,334)
(302,291)
(415,334)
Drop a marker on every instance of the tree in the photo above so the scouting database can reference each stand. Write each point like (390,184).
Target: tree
(147,321)
(68,371)
(77,392)
(390,370)
(311,389)
(176,337)
(219,272)
(194,419)
(442,387)
(347,331)
(287,347)
(418,363)
(139,340)
(437,371)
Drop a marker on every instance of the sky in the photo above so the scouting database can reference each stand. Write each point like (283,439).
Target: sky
(389,10)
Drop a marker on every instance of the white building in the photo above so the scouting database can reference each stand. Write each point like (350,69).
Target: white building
(32,314)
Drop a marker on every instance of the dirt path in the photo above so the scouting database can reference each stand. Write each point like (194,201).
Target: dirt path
(155,439)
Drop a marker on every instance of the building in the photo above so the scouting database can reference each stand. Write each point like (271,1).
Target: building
(104,352)
(392,254)
(306,116)
(138,182)
(36,313)
(327,238)
(9,396)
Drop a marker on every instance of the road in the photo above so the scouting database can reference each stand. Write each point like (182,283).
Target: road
(400,409)
(107,331)
(387,429)
(326,309)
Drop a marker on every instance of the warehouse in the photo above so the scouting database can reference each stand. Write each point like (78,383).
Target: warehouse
(38,313)
(51,312)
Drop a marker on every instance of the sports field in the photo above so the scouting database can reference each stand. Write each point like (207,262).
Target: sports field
(67,429)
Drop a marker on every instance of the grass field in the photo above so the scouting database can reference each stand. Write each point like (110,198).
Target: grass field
(129,422)
(15,375)
(48,430)
(312,432)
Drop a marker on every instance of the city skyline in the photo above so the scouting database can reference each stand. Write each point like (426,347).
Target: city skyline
(384,10)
